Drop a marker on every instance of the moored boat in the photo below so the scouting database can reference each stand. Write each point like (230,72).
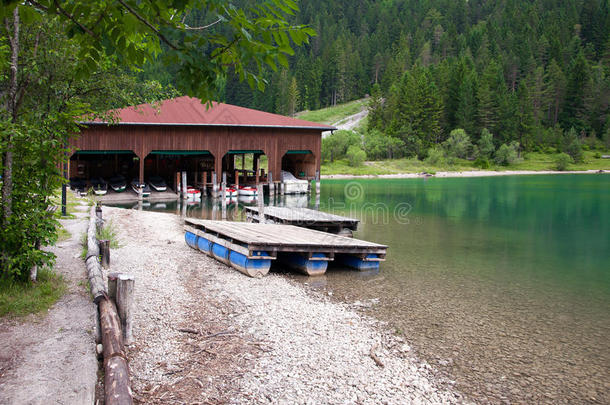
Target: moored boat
(157,183)
(247,191)
(231,192)
(193,194)
(99,185)
(136,186)
(117,183)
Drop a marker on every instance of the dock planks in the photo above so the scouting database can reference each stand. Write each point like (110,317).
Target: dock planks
(284,238)
(304,217)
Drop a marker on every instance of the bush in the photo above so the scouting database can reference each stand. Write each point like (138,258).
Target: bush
(380,146)
(572,146)
(486,144)
(436,157)
(458,144)
(355,155)
(482,162)
(335,146)
(597,155)
(562,161)
(507,154)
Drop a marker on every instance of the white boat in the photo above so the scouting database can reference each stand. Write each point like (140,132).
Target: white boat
(136,186)
(247,191)
(230,192)
(157,183)
(99,186)
(292,185)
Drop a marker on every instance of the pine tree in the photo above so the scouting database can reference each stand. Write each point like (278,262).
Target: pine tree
(554,92)
(578,82)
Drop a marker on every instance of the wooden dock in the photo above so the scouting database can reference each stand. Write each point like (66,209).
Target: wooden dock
(306,218)
(250,247)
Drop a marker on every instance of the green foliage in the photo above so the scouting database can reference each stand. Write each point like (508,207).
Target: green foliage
(379,146)
(436,157)
(486,144)
(572,146)
(355,155)
(507,154)
(109,232)
(482,162)
(415,108)
(562,161)
(219,36)
(458,144)
(335,146)
(19,299)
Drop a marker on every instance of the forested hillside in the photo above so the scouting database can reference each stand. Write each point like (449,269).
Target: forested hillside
(524,70)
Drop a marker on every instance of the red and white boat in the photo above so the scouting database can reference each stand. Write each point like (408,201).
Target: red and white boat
(231,192)
(247,191)
(193,194)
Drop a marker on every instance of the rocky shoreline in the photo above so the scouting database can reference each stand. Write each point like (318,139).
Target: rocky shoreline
(469,173)
(206,333)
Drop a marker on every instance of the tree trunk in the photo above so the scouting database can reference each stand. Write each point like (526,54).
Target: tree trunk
(7,178)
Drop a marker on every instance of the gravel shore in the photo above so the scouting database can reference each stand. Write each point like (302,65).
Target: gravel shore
(205,333)
(468,173)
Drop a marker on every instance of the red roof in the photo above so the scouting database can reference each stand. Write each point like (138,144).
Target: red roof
(190,111)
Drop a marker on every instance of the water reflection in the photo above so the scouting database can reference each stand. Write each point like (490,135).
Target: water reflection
(211,208)
(502,282)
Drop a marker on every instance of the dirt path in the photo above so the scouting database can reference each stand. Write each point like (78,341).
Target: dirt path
(351,122)
(50,358)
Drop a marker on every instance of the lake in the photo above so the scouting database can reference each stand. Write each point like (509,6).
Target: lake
(501,283)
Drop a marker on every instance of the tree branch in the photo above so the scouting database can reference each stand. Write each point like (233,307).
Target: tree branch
(66,14)
(149,25)
(204,27)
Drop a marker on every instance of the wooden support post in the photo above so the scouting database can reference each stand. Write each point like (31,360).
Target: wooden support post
(223,197)
(237,179)
(214,185)
(184,195)
(317,182)
(112,278)
(105,253)
(255,167)
(224,177)
(243,161)
(124,302)
(261,204)
(281,186)
(271,186)
(141,179)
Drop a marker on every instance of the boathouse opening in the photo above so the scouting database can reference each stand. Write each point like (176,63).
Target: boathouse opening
(301,163)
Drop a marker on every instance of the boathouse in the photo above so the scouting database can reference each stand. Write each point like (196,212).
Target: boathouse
(182,134)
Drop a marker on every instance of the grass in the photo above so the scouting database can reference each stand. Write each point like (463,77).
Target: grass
(108,232)
(530,161)
(330,115)
(63,234)
(72,201)
(18,299)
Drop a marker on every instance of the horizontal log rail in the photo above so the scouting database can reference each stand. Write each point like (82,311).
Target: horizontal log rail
(117,385)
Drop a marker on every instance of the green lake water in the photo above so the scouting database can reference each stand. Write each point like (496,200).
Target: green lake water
(501,283)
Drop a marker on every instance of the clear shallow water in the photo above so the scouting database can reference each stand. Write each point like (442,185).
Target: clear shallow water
(501,283)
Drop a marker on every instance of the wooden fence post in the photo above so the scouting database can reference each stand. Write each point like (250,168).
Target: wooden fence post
(124,302)
(105,253)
